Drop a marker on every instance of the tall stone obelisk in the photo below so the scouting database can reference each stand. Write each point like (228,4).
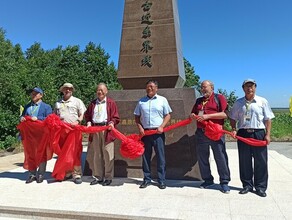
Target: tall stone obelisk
(151,45)
(151,49)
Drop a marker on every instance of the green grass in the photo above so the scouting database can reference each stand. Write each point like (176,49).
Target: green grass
(282,126)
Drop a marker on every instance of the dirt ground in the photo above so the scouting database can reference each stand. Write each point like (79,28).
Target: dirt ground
(10,151)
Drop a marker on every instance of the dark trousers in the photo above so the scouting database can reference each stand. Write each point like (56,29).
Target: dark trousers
(40,171)
(220,156)
(155,141)
(253,161)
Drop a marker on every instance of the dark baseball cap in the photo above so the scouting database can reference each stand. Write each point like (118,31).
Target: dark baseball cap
(38,90)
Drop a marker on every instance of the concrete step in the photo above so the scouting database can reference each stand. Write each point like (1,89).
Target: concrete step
(10,213)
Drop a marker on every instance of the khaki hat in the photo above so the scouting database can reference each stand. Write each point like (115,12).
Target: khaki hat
(66,85)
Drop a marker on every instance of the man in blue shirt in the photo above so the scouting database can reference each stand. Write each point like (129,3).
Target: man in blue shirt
(153,113)
(37,110)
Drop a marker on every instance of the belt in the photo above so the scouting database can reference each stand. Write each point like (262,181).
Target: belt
(250,130)
(150,129)
(201,129)
(99,124)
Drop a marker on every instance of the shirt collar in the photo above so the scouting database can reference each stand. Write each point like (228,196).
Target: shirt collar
(68,100)
(101,102)
(36,104)
(255,99)
(153,97)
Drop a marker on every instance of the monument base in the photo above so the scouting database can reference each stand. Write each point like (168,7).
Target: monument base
(180,148)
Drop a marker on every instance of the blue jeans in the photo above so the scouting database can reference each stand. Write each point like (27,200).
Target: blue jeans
(157,141)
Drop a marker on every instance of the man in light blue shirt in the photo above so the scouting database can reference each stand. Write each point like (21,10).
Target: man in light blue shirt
(153,113)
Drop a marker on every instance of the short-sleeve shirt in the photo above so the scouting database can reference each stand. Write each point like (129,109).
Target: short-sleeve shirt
(70,110)
(253,114)
(152,110)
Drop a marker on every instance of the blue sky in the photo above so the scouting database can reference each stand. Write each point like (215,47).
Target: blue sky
(225,41)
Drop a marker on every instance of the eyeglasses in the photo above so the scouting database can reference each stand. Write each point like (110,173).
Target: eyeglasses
(248,85)
(68,88)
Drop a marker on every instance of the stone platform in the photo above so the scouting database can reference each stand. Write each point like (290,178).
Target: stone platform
(181,199)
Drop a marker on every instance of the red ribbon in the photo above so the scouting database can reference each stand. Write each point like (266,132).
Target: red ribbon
(36,143)
(215,131)
(54,132)
(212,131)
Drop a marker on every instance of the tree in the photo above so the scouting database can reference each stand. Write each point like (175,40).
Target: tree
(12,65)
(97,70)
(49,70)
(231,98)
(41,71)
(192,80)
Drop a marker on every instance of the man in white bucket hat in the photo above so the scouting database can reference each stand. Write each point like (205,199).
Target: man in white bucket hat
(71,110)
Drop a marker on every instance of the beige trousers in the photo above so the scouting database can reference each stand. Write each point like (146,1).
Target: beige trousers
(100,157)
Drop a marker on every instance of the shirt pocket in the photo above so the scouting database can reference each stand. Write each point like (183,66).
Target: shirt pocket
(72,109)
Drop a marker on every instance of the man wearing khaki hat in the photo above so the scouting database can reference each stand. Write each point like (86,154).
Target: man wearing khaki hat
(71,110)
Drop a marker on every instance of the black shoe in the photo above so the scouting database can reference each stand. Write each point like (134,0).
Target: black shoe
(106,182)
(245,190)
(30,179)
(261,193)
(96,181)
(225,188)
(144,185)
(78,180)
(161,186)
(40,179)
(206,184)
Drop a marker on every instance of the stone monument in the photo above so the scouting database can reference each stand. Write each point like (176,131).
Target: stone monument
(151,45)
(151,49)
